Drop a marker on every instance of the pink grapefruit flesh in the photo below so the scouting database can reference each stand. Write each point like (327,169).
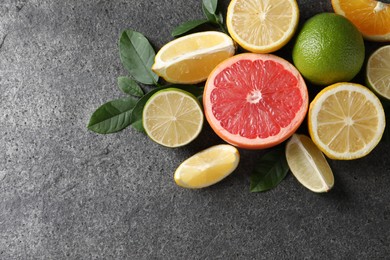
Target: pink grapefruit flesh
(255,101)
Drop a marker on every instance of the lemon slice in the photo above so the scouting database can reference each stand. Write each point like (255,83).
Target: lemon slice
(378,71)
(346,121)
(207,167)
(262,26)
(172,117)
(190,59)
(308,164)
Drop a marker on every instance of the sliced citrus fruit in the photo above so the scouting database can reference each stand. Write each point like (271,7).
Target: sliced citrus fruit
(308,164)
(172,117)
(255,101)
(262,26)
(371,17)
(378,71)
(346,121)
(207,167)
(191,58)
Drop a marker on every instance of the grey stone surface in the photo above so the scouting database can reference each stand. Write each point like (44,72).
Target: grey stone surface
(68,193)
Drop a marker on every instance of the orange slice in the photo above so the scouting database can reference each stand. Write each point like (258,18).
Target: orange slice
(371,17)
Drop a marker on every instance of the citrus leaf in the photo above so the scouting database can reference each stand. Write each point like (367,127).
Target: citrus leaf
(112,116)
(187,26)
(130,87)
(220,19)
(137,56)
(270,171)
(136,115)
(209,8)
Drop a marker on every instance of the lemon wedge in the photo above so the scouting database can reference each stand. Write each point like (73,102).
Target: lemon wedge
(191,58)
(308,164)
(207,167)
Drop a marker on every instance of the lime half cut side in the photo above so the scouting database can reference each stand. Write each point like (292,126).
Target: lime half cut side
(378,71)
(172,117)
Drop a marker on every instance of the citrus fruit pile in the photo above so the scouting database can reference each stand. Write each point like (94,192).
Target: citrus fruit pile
(254,99)
(257,100)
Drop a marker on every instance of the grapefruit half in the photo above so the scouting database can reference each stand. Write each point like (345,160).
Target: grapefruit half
(255,101)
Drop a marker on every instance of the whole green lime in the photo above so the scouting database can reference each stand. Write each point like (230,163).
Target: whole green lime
(328,49)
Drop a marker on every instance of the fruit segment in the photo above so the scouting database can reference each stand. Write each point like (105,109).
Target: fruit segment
(207,167)
(308,164)
(190,59)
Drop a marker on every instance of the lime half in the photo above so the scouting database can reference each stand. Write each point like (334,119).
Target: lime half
(378,71)
(172,117)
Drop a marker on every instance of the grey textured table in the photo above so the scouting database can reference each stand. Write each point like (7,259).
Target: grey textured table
(68,193)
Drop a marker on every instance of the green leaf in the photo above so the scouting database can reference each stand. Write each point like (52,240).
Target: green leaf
(113,116)
(270,171)
(187,26)
(130,87)
(136,115)
(220,19)
(137,56)
(209,8)
(138,125)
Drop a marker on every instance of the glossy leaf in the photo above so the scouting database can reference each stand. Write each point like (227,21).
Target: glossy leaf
(269,171)
(187,26)
(209,8)
(112,116)
(136,116)
(130,87)
(137,56)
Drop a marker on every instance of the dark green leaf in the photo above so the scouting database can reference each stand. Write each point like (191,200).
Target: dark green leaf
(220,19)
(269,171)
(137,56)
(113,116)
(138,126)
(136,115)
(130,86)
(209,8)
(187,26)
